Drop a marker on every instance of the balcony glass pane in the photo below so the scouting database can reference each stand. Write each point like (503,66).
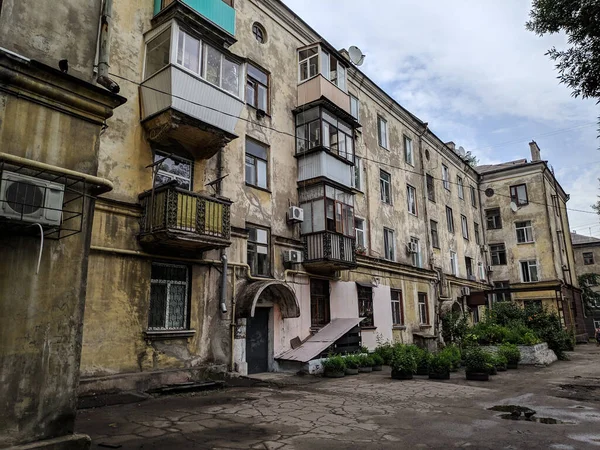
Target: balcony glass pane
(318,215)
(307,224)
(231,77)
(213,66)
(157,53)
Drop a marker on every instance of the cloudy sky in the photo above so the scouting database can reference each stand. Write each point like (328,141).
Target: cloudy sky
(471,70)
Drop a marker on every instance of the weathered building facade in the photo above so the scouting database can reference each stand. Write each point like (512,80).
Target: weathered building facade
(50,125)
(531,253)
(265,188)
(587,261)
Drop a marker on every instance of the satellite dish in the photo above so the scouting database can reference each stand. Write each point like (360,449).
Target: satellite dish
(356,55)
(461,151)
(513,207)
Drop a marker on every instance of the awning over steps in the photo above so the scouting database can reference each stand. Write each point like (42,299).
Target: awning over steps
(316,344)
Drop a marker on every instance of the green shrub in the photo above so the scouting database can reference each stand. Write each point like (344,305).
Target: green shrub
(351,361)
(377,359)
(505,313)
(455,327)
(500,360)
(334,364)
(403,360)
(421,357)
(365,361)
(440,363)
(511,352)
(477,360)
(386,351)
(452,352)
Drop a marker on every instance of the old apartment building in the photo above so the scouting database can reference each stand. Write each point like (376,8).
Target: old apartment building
(265,188)
(587,261)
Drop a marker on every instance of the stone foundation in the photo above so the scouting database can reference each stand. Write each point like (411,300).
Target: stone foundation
(531,354)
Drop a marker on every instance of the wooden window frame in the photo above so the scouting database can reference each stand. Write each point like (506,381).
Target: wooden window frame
(514,197)
(586,258)
(501,256)
(315,299)
(400,307)
(365,295)
(256,83)
(424,295)
(497,223)
(435,238)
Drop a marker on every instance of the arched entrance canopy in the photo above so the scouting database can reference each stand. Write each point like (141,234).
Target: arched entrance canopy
(271,291)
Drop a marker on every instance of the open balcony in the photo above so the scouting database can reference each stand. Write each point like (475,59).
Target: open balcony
(178,106)
(174,218)
(217,12)
(328,252)
(318,88)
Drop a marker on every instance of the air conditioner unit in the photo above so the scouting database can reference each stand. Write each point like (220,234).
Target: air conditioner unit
(412,247)
(464,291)
(292,256)
(29,199)
(295,214)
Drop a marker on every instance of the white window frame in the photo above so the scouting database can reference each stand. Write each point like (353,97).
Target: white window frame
(530,263)
(361,233)
(423,313)
(473,197)
(355,105)
(398,301)
(382,184)
(416,257)
(356,173)
(527,232)
(450,220)
(389,234)
(172,176)
(453,263)
(481,271)
(411,200)
(409,156)
(169,283)
(307,61)
(446,177)
(461,187)
(464,226)
(382,133)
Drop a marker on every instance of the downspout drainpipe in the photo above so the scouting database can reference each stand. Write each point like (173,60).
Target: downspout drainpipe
(232,325)
(104,53)
(223,305)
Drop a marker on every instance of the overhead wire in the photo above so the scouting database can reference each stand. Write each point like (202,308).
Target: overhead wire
(382,163)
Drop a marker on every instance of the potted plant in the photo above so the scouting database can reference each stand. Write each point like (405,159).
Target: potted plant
(500,362)
(439,366)
(477,365)
(386,351)
(365,363)
(377,362)
(422,356)
(351,364)
(403,364)
(334,367)
(452,352)
(512,354)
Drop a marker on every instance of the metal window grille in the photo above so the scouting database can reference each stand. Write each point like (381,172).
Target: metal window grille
(169,293)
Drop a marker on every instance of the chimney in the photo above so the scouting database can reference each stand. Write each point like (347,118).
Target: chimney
(452,145)
(535,151)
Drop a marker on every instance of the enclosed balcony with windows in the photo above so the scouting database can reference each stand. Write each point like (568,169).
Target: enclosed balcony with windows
(192,92)
(328,228)
(322,75)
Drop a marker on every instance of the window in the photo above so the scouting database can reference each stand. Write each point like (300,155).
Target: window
(481,271)
(473,198)
(445,177)
(365,306)
(518,194)
(411,197)
(493,219)
(258,251)
(416,253)
(317,127)
(450,219)
(333,70)
(173,169)
(465,226)
(189,52)
(382,132)
(453,264)
(257,88)
(308,62)
(357,169)
(423,308)
(397,308)
(359,227)
(501,296)
(476,230)
(169,297)
(529,271)
(256,164)
(475,311)
(588,258)
(408,151)
(259,33)
(389,244)
(430,188)
(524,232)
(354,107)
(320,308)
(385,186)
(327,209)
(498,252)
(158,53)
(461,188)
(435,239)
(469,266)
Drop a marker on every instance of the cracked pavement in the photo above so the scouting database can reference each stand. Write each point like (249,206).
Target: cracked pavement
(369,411)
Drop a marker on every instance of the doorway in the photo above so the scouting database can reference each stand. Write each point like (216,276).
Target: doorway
(257,341)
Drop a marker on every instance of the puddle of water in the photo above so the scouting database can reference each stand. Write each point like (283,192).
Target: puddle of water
(545,420)
(516,412)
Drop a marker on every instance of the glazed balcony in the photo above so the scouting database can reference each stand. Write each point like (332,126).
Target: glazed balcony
(179,106)
(324,165)
(318,88)
(178,219)
(216,12)
(328,252)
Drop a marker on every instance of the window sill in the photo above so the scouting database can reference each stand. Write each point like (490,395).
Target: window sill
(259,188)
(368,328)
(168,334)
(399,327)
(267,114)
(424,325)
(525,243)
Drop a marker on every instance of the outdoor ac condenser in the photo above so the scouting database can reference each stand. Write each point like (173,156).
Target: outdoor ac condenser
(28,199)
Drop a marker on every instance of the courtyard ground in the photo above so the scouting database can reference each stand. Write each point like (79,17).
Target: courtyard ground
(369,411)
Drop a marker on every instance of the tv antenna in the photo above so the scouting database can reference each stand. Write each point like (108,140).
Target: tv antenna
(356,55)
